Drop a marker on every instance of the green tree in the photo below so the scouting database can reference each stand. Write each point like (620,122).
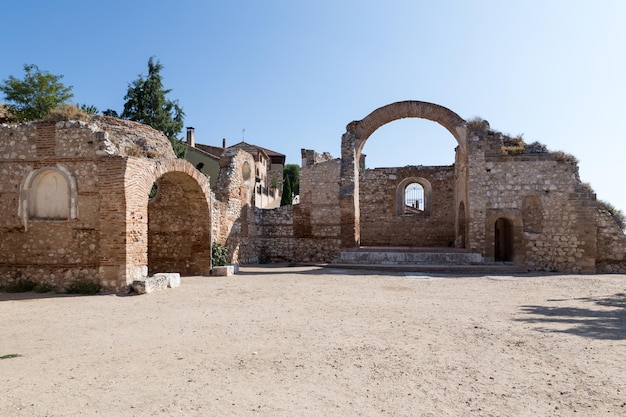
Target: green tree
(33,97)
(293,172)
(287,197)
(146,102)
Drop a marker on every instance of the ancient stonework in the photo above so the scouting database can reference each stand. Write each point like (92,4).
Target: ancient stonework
(106,201)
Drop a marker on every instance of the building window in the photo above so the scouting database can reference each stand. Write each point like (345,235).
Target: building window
(413,197)
(48,194)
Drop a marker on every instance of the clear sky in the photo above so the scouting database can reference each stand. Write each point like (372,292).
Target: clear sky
(294,73)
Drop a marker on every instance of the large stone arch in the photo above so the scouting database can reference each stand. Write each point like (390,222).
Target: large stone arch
(353,141)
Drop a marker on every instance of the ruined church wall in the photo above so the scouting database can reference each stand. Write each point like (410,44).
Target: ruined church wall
(381,225)
(57,252)
(553,215)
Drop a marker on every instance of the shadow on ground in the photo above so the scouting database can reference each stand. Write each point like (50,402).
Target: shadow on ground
(607,323)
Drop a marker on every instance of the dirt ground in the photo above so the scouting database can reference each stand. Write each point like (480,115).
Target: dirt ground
(321,342)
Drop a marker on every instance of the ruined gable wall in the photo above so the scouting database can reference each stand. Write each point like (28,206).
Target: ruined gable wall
(382,226)
(232,211)
(553,216)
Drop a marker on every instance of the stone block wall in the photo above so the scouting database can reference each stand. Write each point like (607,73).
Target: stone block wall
(552,214)
(381,225)
(611,240)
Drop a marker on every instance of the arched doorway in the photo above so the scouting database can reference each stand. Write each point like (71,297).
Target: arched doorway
(503,240)
(354,139)
(179,227)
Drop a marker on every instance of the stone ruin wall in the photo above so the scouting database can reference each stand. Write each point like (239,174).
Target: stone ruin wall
(382,226)
(308,231)
(233,206)
(111,165)
(611,244)
(54,251)
(553,215)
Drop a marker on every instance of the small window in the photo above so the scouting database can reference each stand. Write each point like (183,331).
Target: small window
(413,196)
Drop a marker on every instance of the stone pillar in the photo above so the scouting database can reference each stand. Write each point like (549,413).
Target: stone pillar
(349,192)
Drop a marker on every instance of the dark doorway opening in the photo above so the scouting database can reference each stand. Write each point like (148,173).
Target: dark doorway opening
(503,240)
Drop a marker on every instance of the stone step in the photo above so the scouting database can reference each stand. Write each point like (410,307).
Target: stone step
(407,257)
(482,269)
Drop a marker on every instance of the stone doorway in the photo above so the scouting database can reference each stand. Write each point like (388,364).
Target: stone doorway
(503,240)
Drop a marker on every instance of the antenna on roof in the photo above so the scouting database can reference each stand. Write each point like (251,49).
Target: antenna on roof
(243,135)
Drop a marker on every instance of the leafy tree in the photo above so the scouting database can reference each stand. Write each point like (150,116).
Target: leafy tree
(110,112)
(146,102)
(33,97)
(287,198)
(293,172)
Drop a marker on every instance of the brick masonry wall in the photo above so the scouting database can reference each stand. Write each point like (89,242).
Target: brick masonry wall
(107,242)
(382,226)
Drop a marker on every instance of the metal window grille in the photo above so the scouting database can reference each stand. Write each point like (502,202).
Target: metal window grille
(414,196)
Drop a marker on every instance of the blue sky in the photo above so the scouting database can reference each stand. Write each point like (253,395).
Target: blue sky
(294,73)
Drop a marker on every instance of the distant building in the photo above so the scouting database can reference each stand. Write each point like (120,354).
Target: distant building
(268,171)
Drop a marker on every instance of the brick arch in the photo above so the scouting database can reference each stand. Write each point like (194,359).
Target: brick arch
(175,230)
(353,141)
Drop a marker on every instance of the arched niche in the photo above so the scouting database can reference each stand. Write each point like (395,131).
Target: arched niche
(48,193)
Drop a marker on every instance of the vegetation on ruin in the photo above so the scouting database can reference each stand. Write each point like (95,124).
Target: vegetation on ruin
(219,254)
(146,102)
(618,215)
(67,112)
(21,285)
(565,157)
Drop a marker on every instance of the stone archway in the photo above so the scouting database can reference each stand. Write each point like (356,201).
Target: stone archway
(353,141)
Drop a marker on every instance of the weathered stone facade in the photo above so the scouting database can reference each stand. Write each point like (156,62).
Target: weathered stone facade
(76,204)
(98,176)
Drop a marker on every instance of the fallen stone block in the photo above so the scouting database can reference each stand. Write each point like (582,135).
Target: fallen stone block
(173,278)
(223,271)
(150,284)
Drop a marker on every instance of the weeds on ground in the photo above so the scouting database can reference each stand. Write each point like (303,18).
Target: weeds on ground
(10,356)
(83,288)
(21,285)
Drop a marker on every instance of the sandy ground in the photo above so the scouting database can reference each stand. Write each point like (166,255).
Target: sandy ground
(321,342)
